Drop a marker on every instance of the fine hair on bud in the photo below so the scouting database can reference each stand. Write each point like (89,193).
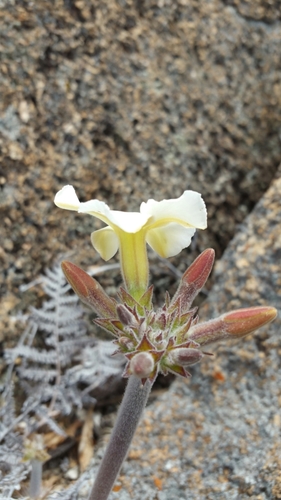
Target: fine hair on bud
(125,316)
(142,364)
(185,356)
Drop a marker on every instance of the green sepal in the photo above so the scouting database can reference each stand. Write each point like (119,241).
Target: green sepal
(146,299)
(130,301)
(177,370)
(109,326)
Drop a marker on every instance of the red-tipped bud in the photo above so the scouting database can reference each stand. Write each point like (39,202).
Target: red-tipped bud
(142,364)
(89,290)
(243,321)
(185,356)
(194,279)
(235,324)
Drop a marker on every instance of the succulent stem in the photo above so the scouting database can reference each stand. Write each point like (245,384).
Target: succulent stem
(128,417)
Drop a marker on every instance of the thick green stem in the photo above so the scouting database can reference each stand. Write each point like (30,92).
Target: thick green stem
(128,417)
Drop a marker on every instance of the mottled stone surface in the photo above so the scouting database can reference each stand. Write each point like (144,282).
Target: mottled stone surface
(217,435)
(129,100)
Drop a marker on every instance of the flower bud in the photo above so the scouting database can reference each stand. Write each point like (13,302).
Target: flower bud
(243,321)
(185,356)
(142,364)
(89,290)
(194,279)
(235,324)
(125,316)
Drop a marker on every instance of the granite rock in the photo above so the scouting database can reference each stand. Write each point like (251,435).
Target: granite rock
(129,100)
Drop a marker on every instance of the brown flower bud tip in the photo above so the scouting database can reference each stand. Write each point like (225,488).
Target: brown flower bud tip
(194,279)
(89,290)
(185,356)
(200,269)
(243,321)
(142,364)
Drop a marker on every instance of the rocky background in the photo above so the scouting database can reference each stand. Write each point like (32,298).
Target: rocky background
(128,100)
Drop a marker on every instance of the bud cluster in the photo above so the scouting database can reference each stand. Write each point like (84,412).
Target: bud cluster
(170,338)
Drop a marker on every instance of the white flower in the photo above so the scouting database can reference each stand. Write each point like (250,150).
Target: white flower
(167,226)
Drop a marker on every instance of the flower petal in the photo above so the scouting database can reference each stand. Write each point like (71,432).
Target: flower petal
(105,242)
(67,198)
(96,208)
(169,240)
(189,210)
(130,222)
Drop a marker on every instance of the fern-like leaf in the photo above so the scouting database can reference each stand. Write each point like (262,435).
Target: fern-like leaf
(57,378)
